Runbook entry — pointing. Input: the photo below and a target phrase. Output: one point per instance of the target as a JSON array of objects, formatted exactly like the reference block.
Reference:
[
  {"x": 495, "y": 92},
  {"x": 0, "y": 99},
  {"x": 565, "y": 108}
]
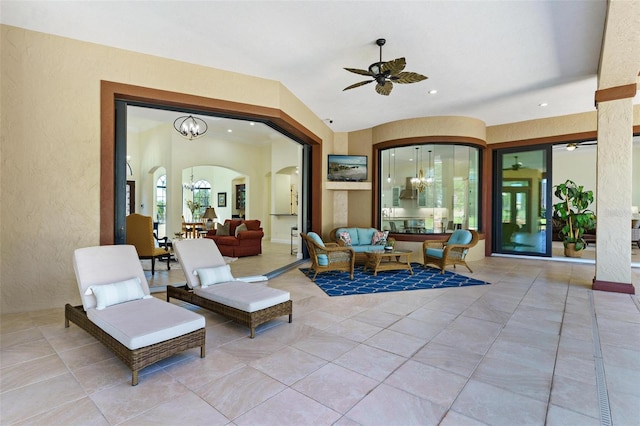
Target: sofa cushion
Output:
[
  {"x": 252, "y": 225},
  {"x": 227, "y": 240},
  {"x": 222, "y": 229},
  {"x": 346, "y": 238},
  {"x": 244, "y": 296},
  {"x": 365, "y": 235},
  {"x": 141, "y": 323},
  {"x": 323, "y": 259},
  {"x": 233, "y": 224},
  {"x": 379, "y": 237},
  {"x": 370, "y": 247},
  {"x": 240, "y": 228},
  {"x": 353, "y": 233},
  {"x": 434, "y": 252}
]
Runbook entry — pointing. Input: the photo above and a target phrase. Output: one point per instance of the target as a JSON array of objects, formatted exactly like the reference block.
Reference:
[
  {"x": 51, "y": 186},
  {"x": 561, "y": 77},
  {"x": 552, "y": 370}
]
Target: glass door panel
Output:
[{"x": 520, "y": 227}]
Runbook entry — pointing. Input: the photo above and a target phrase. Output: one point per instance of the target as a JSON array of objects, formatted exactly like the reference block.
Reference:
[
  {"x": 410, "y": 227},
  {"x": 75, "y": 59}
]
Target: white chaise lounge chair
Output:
[
  {"x": 210, "y": 285},
  {"x": 118, "y": 310}
]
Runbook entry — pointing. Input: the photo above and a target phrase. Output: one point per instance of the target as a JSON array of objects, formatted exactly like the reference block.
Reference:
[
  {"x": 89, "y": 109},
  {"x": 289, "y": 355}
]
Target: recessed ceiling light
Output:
[
  {"x": 432, "y": 92},
  {"x": 543, "y": 104},
  {"x": 229, "y": 131},
  {"x": 251, "y": 123}
]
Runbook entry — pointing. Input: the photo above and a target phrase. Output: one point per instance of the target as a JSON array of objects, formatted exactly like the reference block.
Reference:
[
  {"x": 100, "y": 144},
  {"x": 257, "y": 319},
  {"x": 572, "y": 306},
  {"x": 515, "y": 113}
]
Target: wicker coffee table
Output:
[{"x": 388, "y": 260}]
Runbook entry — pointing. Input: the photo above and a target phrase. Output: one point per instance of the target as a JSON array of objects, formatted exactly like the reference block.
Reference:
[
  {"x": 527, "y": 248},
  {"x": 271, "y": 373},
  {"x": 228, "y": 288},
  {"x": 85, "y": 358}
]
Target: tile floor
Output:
[{"x": 521, "y": 351}]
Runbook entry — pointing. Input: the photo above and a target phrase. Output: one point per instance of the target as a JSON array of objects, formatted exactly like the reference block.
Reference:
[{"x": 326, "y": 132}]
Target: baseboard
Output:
[{"x": 613, "y": 287}]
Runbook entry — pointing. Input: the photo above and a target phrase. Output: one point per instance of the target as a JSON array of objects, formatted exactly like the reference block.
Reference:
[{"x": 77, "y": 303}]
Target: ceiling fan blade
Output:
[
  {"x": 395, "y": 66},
  {"x": 384, "y": 89},
  {"x": 408, "y": 77},
  {"x": 358, "y": 71},
  {"x": 362, "y": 83}
]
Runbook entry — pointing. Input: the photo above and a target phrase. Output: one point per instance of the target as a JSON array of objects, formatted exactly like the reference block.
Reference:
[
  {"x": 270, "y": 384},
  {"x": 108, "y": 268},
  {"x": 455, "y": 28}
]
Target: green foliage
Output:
[{"x": 573, "y": 212}]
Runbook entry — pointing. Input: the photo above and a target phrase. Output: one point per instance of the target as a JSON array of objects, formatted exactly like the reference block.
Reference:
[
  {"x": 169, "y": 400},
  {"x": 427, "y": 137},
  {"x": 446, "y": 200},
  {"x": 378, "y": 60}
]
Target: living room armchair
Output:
[
  {"x": 140, "y": 234},
  {"x": 328, "y": 256},
  {"x": 450, "y": 252}
]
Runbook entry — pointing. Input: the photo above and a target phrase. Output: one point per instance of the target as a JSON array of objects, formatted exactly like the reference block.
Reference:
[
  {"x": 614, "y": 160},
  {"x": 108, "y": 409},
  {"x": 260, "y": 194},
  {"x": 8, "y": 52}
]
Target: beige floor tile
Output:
[
  {"x": 448, "y": 358},
  {"x": 353, "y": 330},
  {"x": 85, "y": 355},
  {"x": 326, "y": 346},
  {"x": 187, "y": 409},
  {"x": 623, "y": 380},
  {"x": 81, "y": 412},
  {"x": 19, "y": 337},
  {"x": 318, "y": 319},
  {"x": 469, "y": 334},
  {"x": 498, "y": 407},
  {"x": 31, "y": 400},
  {"x": 298, "y": 410},
  {"x": 438, "y": 386},
  {"x": 240, "y": 391},
  {"x": 122, "y": 401},
  {"x": 537, "y": 358},
  {"x": 248, "y": 349},
  {"x": 197, "y": 372},
  {"x": 516, "y": 378},
  {"x": 396, "y": 342},
  {"x": 575, "y": 396},
  {"x": 621, "y": 357},
  {"x": 29, "y": 372},
  {"x": 64, "y": 339},
  {"x": 377, "y": 318},
  {"x": 289, "y": 365},
  {"x": 26, "y": 351},
  {"x": 558, "y": 416},
  {"x": 387, "y": 405},
  {"x": 625, "y": 409},
  {"x": 335, "y": 387},
  {"x": 456, "y": 419},
  {"x": 370, "y": 361},
  {"x": 420, "y": 329},
  {"x": 103, "y": 374}
]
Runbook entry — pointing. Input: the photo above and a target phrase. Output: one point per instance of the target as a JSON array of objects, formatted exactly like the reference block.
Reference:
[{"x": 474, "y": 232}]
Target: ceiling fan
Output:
[
  {"x": 386, "y": 73},
  {"x": 517, "y": 165}
]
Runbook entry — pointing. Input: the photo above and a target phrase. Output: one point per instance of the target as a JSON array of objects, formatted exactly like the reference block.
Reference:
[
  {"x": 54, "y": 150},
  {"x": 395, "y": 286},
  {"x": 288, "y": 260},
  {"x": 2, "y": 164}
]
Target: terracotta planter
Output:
[{"x": 570, "y": 250}]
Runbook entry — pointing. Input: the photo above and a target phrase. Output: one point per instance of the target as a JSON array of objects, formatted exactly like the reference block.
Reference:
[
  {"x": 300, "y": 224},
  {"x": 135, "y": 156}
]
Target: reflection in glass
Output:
[{"x": 429, "y": 189}]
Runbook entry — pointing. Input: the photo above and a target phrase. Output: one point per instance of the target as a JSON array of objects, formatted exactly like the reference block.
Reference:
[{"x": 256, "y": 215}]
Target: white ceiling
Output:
[{"x": 492, "y": 60}]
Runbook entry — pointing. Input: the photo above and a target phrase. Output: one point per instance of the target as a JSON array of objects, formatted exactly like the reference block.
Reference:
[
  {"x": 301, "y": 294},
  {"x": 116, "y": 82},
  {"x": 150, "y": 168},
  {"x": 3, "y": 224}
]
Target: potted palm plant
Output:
[{"x": 574, "y": 215}]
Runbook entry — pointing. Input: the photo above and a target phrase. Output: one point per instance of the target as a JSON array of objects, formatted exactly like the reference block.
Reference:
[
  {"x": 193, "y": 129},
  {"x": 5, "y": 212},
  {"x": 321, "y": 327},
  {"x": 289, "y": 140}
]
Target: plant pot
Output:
[{"x": 570, "y": 250}]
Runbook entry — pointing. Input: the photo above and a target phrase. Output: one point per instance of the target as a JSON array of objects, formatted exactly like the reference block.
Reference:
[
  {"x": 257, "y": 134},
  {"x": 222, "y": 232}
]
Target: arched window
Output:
[
  {"x": 161, "y": 199},
  {"x": 201, "y": 196}
]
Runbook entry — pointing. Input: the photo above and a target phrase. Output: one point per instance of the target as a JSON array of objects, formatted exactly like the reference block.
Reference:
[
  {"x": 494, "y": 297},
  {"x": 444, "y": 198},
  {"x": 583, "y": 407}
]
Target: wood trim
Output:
[
  {"x": 546, "y": 140},
  {"x": 451, "y": 140},
  {"x": 110, "y": 91},
  {"x": 616, "y": 93},
  {"x": 613, "y": 287}
]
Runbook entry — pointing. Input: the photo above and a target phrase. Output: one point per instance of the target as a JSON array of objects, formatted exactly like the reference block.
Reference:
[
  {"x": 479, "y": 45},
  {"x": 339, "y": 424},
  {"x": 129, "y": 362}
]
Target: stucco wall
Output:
[{"x": 50, "y": 149}]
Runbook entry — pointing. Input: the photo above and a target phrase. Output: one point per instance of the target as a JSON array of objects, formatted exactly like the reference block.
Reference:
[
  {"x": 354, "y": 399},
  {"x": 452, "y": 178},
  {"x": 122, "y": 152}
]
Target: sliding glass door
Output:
[{"x": 523, "y": 194}]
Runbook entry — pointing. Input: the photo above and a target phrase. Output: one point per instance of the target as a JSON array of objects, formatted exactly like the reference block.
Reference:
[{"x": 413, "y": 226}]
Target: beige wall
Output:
[{"x": 50, "y": 149}]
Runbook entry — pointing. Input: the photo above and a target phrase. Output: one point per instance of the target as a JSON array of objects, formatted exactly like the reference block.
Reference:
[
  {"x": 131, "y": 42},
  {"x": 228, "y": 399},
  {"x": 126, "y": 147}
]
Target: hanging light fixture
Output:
[
  {"x": 419, "y": 182},
  {"x": 190, "y": 186},
  {"x": 190, "y": 127},
  {"x": 430, "y": 172}
]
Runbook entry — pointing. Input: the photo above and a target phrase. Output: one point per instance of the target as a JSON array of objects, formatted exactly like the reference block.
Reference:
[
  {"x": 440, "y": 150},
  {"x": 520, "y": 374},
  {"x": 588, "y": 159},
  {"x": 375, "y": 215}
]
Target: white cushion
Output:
[
  {"x": 244, "y": 296},
  {"x": 194, "y": 253},
  {"x": 118, "y": 292},
  {"x": 144, "y": 322},
  {"x": 214, "y": 275}
]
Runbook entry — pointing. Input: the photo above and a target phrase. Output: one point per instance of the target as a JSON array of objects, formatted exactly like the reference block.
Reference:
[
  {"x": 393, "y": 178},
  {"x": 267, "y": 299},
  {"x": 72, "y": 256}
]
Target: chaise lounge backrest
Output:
[
  {"x": 195, "y": 254},
  {"x": 116, "y": 263}
]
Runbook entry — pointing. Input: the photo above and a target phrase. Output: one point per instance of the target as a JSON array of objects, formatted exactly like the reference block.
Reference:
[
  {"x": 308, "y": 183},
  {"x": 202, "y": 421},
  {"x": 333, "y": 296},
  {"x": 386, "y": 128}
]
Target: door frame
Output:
[{"x": 110, "y": 164}]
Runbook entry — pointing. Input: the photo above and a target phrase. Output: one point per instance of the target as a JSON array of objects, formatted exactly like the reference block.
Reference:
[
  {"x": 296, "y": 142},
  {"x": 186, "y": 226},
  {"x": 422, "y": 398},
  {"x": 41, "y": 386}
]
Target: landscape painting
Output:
[{"x": 347, "y": 168}]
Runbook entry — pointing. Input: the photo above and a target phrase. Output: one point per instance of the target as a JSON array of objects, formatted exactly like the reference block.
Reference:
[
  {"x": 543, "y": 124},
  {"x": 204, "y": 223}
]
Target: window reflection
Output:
[{"x": 431, "y": 188}]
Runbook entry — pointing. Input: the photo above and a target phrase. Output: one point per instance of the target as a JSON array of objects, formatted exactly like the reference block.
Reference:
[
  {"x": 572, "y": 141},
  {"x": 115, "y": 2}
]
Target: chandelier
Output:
[
  {"x": 191, "y": 185},
  {"x": 190, "y": 127},
  {"x": 420, "y": 182}
]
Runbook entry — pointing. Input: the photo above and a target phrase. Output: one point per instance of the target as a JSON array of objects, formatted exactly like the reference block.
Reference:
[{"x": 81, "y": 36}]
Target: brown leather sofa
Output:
[{"x": 245, "y": 243}]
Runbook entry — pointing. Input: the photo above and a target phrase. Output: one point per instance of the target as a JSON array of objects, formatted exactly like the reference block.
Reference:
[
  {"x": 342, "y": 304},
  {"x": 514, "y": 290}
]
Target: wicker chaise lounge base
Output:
[
  {"x": 249, "y": 319},
  {"x": 135, "y": 359}
]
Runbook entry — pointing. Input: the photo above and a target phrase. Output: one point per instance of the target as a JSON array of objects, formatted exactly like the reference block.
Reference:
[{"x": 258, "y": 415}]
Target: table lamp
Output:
[{"x": 210, "y": 215}]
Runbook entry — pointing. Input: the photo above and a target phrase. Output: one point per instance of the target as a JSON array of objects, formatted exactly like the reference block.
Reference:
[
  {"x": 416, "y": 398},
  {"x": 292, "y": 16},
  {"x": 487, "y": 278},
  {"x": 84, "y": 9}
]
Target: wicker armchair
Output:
[
  {"x": 328, "y": 256},
  {"x": 450, "y": 252}
]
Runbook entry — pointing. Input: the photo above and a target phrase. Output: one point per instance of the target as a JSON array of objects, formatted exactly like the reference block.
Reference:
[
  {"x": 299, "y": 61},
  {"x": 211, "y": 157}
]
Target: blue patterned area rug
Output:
[{"x": 336, "y": 283}]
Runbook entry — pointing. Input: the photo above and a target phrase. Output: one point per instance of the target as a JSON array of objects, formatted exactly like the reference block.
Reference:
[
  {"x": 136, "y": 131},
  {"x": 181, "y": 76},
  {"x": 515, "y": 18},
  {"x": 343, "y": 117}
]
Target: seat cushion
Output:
[
  {"x": 460, "y": 236},
  {"x": 434, "y": 252},
  {"x": 144, "y": 322},
  {"x": 243, "y": 296}
]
